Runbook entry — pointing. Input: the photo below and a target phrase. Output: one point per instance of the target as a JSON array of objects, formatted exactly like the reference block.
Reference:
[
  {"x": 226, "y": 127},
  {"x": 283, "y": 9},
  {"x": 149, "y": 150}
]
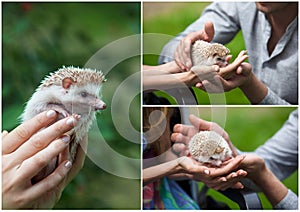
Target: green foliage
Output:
[{"x": 38, "y": 38}]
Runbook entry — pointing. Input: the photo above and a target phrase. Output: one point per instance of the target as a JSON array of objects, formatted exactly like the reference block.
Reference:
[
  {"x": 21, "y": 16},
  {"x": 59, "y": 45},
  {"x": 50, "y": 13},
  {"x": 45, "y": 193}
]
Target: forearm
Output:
[
  {"x": 168, "y": 81},
  {"x": 254, "y": 89},
  {"x": 273, "y": 188},
  {"x": 154, "y": 173},
  {"x": 167, "y": 68}
]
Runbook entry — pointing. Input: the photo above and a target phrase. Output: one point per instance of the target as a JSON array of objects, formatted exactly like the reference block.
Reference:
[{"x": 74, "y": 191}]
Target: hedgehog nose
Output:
[
  {"x": 103, "y": 106},
  {"x": 100, "y": 105}
]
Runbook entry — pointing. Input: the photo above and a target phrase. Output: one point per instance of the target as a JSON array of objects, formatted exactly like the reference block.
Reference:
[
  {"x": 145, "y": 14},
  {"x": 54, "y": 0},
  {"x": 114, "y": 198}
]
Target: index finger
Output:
[
  {"x": 43, "y": 138},
  {"x": 23, "y": 132}
]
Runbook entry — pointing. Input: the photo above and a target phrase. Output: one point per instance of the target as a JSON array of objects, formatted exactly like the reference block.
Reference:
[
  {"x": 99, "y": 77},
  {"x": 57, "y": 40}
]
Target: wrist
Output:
[{"x": 254, "y": 89}]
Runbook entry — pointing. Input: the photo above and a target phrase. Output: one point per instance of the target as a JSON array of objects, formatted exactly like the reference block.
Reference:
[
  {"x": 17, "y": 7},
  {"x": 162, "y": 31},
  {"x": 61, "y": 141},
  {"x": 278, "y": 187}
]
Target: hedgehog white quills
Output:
[
  {"x": 68, "y": 91},
  {"x": 204, "y": 53},
  {"x": 209, "y": 147}
]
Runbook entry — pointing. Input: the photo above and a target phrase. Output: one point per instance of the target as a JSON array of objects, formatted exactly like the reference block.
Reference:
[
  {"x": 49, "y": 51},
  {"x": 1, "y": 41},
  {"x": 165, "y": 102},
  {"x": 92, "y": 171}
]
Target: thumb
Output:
[
  {"x": 209, "y": 30},
  {"x": 199, "y": 123},
  {"x": 195, "y": 121}
]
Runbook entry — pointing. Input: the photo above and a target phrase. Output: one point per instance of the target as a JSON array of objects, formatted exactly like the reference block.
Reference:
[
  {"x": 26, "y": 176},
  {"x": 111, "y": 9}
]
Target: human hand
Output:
[
  {"x": 229, "y": 77},
  {"x": 202, "y": 74},
  {"x": 218, "y": 178},
  {"x": 238, "y": 79},
  {"x": 233, "y": 68},
  {"x": 29, "y": 148},
  {"x": 182, "y": 134},
  {"x": 182, "y": 53},
  {"x": 254, "y": 165}
]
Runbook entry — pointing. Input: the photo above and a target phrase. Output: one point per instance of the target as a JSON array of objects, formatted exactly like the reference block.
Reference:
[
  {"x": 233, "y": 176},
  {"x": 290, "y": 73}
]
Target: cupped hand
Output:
[
  {"x": 29, "y": 148},
  {"x": 182, "y": 54},
  {"x": 218, "y": 178}
]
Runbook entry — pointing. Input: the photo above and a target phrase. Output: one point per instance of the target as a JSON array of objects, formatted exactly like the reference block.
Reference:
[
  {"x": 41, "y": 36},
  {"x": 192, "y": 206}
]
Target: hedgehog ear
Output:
[{"x": 67, "y": 82}]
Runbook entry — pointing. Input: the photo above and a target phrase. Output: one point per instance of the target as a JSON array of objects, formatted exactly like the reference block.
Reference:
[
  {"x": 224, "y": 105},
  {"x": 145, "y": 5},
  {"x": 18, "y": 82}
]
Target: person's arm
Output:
[
  {"x": 26, "y": 150},
  {"x": 272, "y": 98},
  {"x": 218, "y": 178},
  {"x": 224, "y": 17},
  {"x": 276, "y": 192},
  {"x": 169, "y": 76}
]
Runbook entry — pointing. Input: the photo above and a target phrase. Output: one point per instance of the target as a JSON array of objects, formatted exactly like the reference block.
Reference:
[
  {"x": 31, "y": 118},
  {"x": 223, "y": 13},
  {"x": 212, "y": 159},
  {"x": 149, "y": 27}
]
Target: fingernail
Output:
[
  {"x": 223, "y": 179},
  {"x": 65, "y": 139},
  {"x": 71, "y": 121},
  {"x": 206, "y": 171},
  {"x": 50, "y": 113},
  {"x": 68, "y": 164}
]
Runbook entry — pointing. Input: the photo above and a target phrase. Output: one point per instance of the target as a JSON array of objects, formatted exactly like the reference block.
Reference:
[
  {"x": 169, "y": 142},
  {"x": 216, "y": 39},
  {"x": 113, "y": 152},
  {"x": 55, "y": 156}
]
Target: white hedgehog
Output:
[
  {"x": 204, "y": 53},
  {"x": 68, "y": 91},
  {"x": 209, "y": 147}
]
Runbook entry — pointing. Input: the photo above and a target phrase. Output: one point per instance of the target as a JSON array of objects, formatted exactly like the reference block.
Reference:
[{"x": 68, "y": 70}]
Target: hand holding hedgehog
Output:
[
  {"x": 25, "y": 151},
  {"x": 68, "y": 91},
  {"x": 208, "y": 54}
]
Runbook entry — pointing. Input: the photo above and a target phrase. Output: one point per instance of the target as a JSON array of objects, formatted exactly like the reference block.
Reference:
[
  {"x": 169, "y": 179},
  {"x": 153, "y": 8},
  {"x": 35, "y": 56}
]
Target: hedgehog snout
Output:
[{"x": 99, "y": 105}]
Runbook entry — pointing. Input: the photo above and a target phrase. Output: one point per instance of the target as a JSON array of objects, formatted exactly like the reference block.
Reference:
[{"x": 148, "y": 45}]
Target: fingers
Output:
[
  {"x": 42, "y": 139},
  {"x": 182, "y": 54},
  {"x": 33, "y": 165},
  {"x": 231, "y": 68},
  {"x": 4, "y": 134},
  {"x": 231, "y": 181},
  {"x": 227, "y": 168},
  {"x": 23, "y": 132},
  {"x": 180, "y": 149},
  {"x": 200, "y": 124},
  {"x": 50, "y": 183},
  {"x": 181, "y": 128}
]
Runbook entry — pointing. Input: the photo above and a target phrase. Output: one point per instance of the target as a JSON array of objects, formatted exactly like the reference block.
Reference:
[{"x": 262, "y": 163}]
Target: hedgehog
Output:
[
  {"x": 209, "y": 147},
  {"x": 68, "y": 91},
  {"x": 208, "y": 54}
]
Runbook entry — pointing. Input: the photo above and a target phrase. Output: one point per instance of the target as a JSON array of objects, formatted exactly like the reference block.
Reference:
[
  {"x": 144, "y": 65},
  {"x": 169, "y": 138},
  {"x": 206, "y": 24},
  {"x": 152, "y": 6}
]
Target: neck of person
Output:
[{"x": 279, "y": 21}]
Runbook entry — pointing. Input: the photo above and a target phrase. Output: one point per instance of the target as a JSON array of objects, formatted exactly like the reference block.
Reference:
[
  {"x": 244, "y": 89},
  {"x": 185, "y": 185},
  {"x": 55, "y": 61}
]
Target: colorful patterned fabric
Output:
[{"x": 167, "y": 194}]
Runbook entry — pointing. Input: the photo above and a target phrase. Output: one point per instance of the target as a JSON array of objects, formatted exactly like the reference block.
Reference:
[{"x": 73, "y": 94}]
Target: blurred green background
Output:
[
  {"x": 248, "y": 128},
  {"x": 39, "y": 38},
  {"x": 172, "y": 18}
]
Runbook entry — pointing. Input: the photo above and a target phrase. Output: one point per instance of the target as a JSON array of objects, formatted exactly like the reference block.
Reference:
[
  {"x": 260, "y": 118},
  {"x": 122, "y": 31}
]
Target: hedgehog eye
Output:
[
  {"x": 84, "y": 94},
  {"x": 212, "y": 158}
]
